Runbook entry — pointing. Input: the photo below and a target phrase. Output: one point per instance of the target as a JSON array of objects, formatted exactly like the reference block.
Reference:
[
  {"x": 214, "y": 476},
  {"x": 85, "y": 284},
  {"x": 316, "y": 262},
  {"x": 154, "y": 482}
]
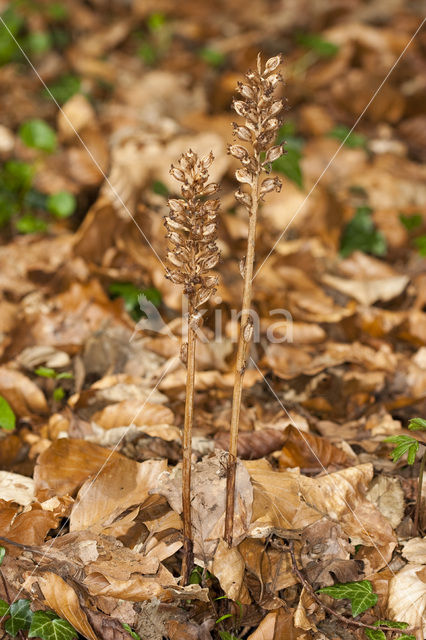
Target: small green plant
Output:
[
  {"x": 7, "y": 421},
  {"x": 37, "y": 134},
  {"x": 407, "y": 445},
  {"x": 411, "y": 222},
  {"x": 317, "y": 44},
  {"x": 420, "y": 242},
  {"x": 289, "y": 163},
  {"x": 63, "y": 88},
  {"x": 361, "y": 234},
  {"x": 212, "y": 57},
  {"x": 128, "y": 628},
  {"x": 156, "y": 40},
  {"x": 46, "y": 372},
  {"x": 130, "y": 294},
  {"x": 362, "y": 597},
  {"x": 61, "y": 204},
  {"x": 347, "y": 137}
]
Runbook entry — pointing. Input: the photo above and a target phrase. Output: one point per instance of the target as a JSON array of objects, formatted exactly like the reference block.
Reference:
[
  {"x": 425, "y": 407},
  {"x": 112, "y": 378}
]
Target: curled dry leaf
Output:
[
  {"x": 253, "y": 444},
  {"x": 407, "y": 597},
  {"x": 271, "y": 567},
  {"x": 15, "y": 487},
  {"x": 309, "y": 451},
  {"x": 63, "y": 600},
  {"x": 23, "y": 395},
  {"x": 67, "y": 463},
  {"x": 136, "y": 588},
  {"x": 276, "y": 624},
  {"x": 120, "y": 484},
  {"x": 228, "y": 567},
  {"x": 27, "y": 527},
  {"x": 132, "y": 412}
]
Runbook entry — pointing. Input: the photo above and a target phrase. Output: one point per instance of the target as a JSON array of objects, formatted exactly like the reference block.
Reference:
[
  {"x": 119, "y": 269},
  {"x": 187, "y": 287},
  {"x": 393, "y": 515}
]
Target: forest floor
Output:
[{"x": 98, "y": 99}]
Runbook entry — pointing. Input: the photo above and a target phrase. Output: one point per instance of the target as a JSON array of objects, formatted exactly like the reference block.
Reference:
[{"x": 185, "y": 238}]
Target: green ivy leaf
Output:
[
  {"x": 2, "y": 554},
  {"x": 38, "y": 134},
  {"x": 377, "y": 634},
  {"x": 348, "y": 137},
  {"x": 63, "y": 88},
  {"x": 289, "y": 165},
  {"x": 4, "y": 608},
  {"x": 411, "y": 222},
  {"x": 130, "y": 630},
  {"x": 406, "y": 637},
  {"x": 7, "y": 418},
  {"x": 61, "y": 204},
  {"x": 20, "y": 617},
  {"x": 46, "y": 628},
  {"x": 361, "y": 234},
  {"x": 360, "y": 594},
  {"x": 393, "y": 624},
  {"x": 417, "y": 424},
  {"x": 29, "y": 223},
  {"x": 160, "y": 188},
  {"x": 404, "y": 445}
]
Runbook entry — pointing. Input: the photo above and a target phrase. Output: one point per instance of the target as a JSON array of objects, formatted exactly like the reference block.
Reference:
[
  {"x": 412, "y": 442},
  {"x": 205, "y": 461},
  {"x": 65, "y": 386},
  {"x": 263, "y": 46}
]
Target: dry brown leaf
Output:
[
  {"x": 271, "y": 567},
  {"x": 386, "y": 493},
  {"x": 309, "y": 451},
  {"x": 122, "y": 483},
  {"x": 370, "y": 290},
  {"x": 252, "y": 444},
  {"x": 228, "y": 567},
  {"x": 407, "y": 597},
  {"x": 276, "y": 625},
  {"x": 63, "y": 468},
  {"x": 28, "y": 527},
  {"x": 208, "y": 502},
  {"x": 136, "y": 588},
  {"x": 23, "y": 395},
  {"x": 130, "y": 412},
  {"x": 63, "y": 600},
  {"x": 16, "y": 488}
]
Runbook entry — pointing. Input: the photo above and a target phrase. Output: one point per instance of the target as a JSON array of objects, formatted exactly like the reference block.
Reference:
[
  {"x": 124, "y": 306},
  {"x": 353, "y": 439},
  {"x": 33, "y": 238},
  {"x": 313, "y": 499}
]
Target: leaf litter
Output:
[{"x": 91, "y": 473}]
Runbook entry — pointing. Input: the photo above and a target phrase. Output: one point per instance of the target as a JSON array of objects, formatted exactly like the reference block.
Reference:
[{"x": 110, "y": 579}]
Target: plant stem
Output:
[
  {"x": 244, "y": 341},
  {"x": 188, "y": 553},
  {"x": 419, "y": 493}
]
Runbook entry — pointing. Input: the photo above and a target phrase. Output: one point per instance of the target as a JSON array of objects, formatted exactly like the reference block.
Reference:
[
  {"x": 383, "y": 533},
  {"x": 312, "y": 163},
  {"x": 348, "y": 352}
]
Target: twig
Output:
[
  {"x": 419, "y": 493},
  {"x": 261, "y": 112},
  {"x": 191, "y": 230},
  {"x": 344, "y": 619}
]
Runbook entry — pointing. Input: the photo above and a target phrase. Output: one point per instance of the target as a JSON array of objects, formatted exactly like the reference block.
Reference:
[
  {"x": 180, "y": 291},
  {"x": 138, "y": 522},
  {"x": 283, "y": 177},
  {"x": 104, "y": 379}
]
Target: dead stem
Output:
[{"x": 260, "y": 110}]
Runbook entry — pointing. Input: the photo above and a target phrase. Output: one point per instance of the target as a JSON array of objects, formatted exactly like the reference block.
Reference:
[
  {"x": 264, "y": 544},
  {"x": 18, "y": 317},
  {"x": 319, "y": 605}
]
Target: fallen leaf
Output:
[{"x": 228, "y": 567}]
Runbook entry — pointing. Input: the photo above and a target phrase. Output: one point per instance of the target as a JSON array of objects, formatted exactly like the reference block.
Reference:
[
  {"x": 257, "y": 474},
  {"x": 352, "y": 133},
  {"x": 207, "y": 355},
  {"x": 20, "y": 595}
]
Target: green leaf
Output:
[
  {"x": 20, "y": 617},
  {"x": 38, "y": 135},
  {"x": 4, "y": 608},
  {"x": 130, "y": 630},
  {"x": 404, "y": 445},
  {"x": 147, "y": 53},
  {"x": 360, "y": 594},
  {"x": 421, "y": 245},
  {"x": 411, "y": 222},
  {"x": 196, "y": 575},
  {"x": 63, "y": 88},
  {"x": 160, "y": 188},
  {"x": 289, "y": 165},
  {"x": 46, "y": 628},
  {"x": 361, "y": 234},
  {"x": 61, "y": 204},
  {"x": 37, "y": 42},
  {"x": 57, "y": 11},
  {"x": 29, "y": 223},
  {"x": 45, "y": 372},
  {"x": 348, "y": 137},
  {"x": 7, "y": 419},
  {"x": 2, "y": 554},
  {"x": 155, "y": 21},
  {"x": 58, "y": 394},
  {"x": 318, "y": 44},
  {"x": 406, "y": 637},
  {"x": 417, "y": 424},
  {"x": 213, "y": 57},
  {"x": 17, "y": 176},
  {"x": 375, "y": 635},
  {"x": 224, "y": 617},
  {"x": 8, "y": 47},
  {"x": 225, "y": 635},
  {"x": 64, "y": 375}
]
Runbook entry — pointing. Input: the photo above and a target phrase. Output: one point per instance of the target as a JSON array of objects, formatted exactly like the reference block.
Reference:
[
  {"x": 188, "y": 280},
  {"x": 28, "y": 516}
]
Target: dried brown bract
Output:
[
  {"x": 263, "y": 116},
  {"x": 191, "y": 228}
]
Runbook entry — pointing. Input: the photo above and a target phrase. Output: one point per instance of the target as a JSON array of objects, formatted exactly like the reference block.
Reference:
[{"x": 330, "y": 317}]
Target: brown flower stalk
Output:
[
  {"x": 262, "y": 112},
  {"x": 191, "y": 230}
]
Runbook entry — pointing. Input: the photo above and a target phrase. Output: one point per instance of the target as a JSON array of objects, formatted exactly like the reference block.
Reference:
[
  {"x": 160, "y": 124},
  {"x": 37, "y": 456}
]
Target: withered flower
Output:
[
  {"x": 191, "y": 230},
  {"x": 262, "y": 112}
]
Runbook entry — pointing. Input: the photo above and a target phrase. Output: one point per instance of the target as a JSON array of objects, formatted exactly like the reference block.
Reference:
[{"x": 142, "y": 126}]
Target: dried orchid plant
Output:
[
  {"x": 191, "y": 230},
  {"x": 262, "y": 112}
]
